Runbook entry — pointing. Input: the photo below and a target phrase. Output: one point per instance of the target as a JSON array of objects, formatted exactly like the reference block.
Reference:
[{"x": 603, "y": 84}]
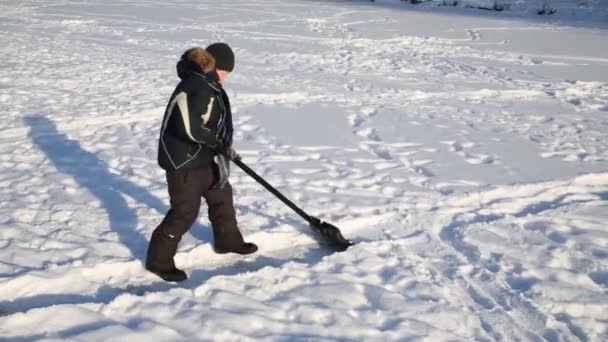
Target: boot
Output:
[
  {"x": 159, "y": 260},
  {"x": 175, "y": 275},
  {"x": 243, "y": 249},
  {"x": 231, "y": 241}
]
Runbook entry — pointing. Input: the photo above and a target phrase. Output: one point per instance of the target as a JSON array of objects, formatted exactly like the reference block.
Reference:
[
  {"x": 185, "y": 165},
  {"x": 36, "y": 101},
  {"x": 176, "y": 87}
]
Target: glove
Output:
[
  {"x": 222, "y": 162},
  {"x": 222, "y": 167},
  {"x": 228, "y": 152},
  {"x": 231, "y": 154}
]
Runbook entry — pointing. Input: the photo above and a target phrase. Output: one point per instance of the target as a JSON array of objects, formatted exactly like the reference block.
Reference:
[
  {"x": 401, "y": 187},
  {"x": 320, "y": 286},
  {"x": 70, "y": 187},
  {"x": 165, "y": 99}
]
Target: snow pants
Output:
[{"x": 186, "y": 188}]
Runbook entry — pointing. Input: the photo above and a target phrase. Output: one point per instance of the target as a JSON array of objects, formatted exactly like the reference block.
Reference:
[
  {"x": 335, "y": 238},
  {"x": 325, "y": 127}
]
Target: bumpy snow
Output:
[{"x": 464, "y": 151}]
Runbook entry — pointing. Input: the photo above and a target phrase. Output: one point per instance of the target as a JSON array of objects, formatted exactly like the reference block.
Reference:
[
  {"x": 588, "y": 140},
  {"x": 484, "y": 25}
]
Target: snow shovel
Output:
[{"x": 330, "y": 233}]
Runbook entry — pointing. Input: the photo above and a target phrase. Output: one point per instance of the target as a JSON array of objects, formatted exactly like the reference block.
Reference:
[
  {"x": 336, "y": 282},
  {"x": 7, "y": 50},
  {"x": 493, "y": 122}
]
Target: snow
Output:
[{"x": 465, "y": 151}]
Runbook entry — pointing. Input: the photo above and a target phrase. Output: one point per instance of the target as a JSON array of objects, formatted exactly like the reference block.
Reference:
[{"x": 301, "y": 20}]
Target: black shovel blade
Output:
[{"x": 331, "y": 234}]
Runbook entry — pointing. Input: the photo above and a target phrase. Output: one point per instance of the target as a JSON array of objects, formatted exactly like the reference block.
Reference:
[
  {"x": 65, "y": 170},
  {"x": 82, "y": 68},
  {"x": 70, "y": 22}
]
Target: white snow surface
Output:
[{"x": 465, "y": 152}]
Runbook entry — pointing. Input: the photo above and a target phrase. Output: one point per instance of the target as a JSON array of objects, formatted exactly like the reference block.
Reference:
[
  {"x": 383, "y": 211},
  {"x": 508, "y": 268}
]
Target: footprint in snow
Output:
[
  {"x": 574, "y": 101},
  {"x": 599, "y": 277},
  {"x": 355, "y": 120},
  {"x": 369, "y": 133},
  {"x": 475, "y": 35}
]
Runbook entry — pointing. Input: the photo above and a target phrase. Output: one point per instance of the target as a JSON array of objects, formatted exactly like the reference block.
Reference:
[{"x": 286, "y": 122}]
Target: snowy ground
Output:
[{"x": 466, "y": 154}]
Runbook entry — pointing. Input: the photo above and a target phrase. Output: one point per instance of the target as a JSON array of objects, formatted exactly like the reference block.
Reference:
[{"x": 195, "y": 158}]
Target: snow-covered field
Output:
[{"x": 466, "y": 153}]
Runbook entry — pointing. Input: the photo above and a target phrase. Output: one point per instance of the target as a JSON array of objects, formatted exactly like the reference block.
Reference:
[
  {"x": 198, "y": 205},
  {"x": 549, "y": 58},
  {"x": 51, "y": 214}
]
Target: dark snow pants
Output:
[{"x": 185, "y": 191}]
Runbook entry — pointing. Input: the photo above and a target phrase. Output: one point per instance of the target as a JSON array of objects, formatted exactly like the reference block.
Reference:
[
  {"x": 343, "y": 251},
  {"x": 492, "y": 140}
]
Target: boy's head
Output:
[{"x": 224, "y": 58}]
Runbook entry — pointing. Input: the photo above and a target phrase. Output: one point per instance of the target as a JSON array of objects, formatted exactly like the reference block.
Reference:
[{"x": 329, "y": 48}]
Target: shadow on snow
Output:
[{"x": 91, "y": 173}]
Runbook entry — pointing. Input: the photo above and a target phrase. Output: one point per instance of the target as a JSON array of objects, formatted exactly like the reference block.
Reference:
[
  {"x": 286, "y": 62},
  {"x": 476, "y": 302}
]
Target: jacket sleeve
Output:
[{"x": 195, "y": 110}]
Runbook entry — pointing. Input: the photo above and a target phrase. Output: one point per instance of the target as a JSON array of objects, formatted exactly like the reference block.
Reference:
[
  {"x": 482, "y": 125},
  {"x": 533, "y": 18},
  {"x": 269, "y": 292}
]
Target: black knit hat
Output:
[{"x": 224, "y": 57}]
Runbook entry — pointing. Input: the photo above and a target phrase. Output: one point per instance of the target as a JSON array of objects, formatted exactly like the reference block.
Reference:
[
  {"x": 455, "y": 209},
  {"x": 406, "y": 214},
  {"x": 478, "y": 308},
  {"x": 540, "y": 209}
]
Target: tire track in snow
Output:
[{"x": 506, "y": 314}]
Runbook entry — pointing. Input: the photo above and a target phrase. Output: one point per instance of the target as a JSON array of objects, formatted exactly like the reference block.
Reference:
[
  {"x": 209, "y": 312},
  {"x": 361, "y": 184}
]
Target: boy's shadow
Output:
[{"x": 92, "y": 173}]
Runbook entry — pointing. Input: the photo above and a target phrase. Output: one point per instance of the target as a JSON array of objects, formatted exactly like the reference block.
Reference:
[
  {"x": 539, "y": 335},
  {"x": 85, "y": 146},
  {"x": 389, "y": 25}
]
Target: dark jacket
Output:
[{"x": 197, "y": 121}]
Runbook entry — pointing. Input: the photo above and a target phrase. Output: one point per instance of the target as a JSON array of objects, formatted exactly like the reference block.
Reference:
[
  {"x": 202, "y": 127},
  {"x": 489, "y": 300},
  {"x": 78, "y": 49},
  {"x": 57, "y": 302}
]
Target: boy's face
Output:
[{"x": 222, "y": 74}]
